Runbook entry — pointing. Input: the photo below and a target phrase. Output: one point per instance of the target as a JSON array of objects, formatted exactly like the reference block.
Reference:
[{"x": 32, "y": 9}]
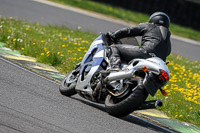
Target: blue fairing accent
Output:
[{"x": 95, "y": 61}]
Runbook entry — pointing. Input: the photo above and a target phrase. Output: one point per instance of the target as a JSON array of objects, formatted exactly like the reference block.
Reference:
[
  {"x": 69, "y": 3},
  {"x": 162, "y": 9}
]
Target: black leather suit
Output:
[{"x": 155, "y": 41}]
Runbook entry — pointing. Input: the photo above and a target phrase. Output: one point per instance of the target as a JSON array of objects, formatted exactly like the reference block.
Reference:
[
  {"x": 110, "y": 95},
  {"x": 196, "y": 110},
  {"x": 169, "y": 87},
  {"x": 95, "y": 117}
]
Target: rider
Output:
[{"x": 155, "y": 40}]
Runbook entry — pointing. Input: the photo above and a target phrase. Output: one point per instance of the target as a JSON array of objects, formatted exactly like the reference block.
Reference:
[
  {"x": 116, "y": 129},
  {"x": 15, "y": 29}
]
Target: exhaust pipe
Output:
[
  {"x": 120, "y": 75},
  {"x": 151, "y": 105},
  {"x": 113, "y": 76}
]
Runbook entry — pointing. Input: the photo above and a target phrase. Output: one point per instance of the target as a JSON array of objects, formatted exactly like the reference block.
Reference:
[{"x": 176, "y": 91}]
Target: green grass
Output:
[
  {"x": 135, "y": 17},
  {"x": 63, "y": 48},
  {"x": 56, "y": 46}
]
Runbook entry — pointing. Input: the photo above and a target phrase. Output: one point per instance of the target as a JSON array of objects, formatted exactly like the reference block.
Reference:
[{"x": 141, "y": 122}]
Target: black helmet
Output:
[{"x": 160, "y": 18}]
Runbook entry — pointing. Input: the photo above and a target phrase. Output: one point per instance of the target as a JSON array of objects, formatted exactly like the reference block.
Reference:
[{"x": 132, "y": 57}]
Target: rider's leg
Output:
[
  {"x": 129, "y": 52},
  {"x": 115, "y": 59}
]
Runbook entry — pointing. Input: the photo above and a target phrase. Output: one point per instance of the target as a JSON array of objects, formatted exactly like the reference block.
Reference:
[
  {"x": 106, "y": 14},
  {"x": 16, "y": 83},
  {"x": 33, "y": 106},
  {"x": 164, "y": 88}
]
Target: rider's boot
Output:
[{"x": 115, "y": 60}]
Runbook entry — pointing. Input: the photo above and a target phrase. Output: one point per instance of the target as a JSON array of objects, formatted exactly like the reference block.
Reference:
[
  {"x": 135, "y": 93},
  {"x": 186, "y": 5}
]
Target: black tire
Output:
[
  {"x": 128, "y": 105},
  {"x": 67, "y": 89}
]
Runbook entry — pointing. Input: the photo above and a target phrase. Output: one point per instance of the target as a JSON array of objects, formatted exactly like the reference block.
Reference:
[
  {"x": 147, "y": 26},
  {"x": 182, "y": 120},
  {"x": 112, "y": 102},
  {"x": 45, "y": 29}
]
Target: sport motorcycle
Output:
[{"x": 122, "y": 91}]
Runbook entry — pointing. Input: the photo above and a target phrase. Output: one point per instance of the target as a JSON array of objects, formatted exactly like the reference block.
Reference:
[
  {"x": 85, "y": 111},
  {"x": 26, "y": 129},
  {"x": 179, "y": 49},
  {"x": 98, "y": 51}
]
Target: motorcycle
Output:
[{"x": 122, "y": 91}]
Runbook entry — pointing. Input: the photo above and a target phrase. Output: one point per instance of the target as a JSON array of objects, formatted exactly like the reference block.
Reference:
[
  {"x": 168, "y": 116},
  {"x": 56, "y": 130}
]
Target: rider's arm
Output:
[{"x": 137, "y": 30}]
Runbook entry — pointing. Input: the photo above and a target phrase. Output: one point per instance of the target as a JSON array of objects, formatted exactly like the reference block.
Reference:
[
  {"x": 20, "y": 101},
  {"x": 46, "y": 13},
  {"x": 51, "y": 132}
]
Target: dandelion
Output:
[
  {"x": 33, "y": 43},
  {"x": 42, "y": 41},
  {"x": 191, "y": 108},
  {"x": 180, "y": 115},
  {"x": 61, "y": 55},
  {"x": 85, "y": 51},
  {"x": 42, "y": 54},
  {"x": 9, "y": 30},
  {"x": 69, "y": 51},
  {"x": 22, "y": 48},
  {"x": 27, "y": 28},
  {"x": 80, "y": 58},
  {"x": 10, "y": 18},
  {"x": 14, "y": 39},
  {"x": 58, "y": 53},
  {"x": 63, "y": 45},
  {"x": 48, "y": 52},
  {"x": 65, "y": 38}
]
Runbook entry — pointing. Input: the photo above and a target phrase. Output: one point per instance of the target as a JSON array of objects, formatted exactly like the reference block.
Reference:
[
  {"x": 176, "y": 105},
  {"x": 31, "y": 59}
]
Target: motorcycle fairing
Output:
[
  {"x": 154, "y": 65},
  {"x": 92, "y": 62}
]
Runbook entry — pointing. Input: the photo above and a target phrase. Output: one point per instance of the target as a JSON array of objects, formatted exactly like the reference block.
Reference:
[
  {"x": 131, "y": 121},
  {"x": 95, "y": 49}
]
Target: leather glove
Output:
[{"x": 111, "y": 38}]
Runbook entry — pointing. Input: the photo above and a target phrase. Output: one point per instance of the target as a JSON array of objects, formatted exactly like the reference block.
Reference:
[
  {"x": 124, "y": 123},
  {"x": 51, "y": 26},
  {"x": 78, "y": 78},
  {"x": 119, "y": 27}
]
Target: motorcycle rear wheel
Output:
[
  {"x": 127, "y": 105},
  {"x": 68, "y": 89}
]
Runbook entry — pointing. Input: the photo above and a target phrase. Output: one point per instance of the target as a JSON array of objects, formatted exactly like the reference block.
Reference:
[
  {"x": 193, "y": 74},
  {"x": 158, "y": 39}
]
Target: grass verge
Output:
[
  {"x": 127, "y": 15},
  {"x": 63, "y": 48}
]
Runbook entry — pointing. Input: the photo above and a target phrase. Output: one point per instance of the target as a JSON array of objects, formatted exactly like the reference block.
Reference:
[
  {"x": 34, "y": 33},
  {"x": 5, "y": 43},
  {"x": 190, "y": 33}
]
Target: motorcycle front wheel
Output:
[
  {"x": 133, "y": 101},
  {"x": 68, "y": 84}
]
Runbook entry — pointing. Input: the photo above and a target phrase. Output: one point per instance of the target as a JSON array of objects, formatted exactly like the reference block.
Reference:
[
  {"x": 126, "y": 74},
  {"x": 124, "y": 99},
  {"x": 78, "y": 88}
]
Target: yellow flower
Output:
[
  {"x": 65, "y": 38},
  {"x": 9, "y": 30},
  {"x": 180, "y": 115},
  {"x": 10, "y": 18},
  {"x": 63, "y": 45},
  {"x": 42, "y": 54},
  {"x": 80, "y": 58},
  {"x": 14, "y": 39},
  {"x": 42, "y": 41},
  {"x": 191, "y": 107},
  {"x": 58, "y": 53},
  {"x": 61, "y": 55},
  {"x": 48, "y": 52},
  {"x": 33, "y": 43},
  {"x": 27, "y": 29},
  {"x": 69, "y": 51},
  {"x": 22, "y": 48}
]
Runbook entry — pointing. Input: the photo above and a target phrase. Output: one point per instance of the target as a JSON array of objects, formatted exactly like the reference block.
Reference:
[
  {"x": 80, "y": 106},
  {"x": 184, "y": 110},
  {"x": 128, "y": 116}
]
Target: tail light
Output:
[{"x": 163, "y": 75}]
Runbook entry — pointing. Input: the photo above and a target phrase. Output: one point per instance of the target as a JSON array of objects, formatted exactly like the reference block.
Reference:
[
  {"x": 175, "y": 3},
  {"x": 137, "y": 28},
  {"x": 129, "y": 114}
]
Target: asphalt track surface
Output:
[
  {"x": 33, "y": 11},
  {"x": 31, "y": 103}
]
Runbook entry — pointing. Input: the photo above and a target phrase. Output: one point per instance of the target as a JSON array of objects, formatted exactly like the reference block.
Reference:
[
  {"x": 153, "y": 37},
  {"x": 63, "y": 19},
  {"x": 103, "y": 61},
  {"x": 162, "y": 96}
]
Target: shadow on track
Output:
[{"x": 129, "y": 118}]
